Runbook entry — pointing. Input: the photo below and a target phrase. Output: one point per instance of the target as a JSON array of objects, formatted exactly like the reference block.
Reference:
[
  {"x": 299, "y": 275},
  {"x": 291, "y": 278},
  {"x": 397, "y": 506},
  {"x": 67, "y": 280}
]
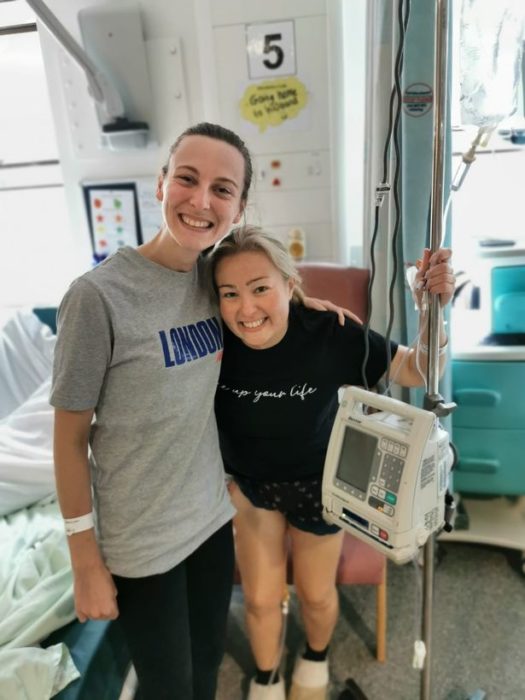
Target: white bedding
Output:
[
  {"x": 36, "y": 590},
  {"x": 36, "y": 598},
  {"x": 34, "y": 673},
  {"x": 26, "y": 358},
  {"x": 26, "y": 418}
]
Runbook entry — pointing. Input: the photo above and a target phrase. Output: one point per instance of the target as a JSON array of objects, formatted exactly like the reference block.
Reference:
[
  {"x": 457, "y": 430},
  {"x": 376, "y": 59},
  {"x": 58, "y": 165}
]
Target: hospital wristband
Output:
[
  {"x": 424, "y": 348},
  {"x": 83, "y": 522}
]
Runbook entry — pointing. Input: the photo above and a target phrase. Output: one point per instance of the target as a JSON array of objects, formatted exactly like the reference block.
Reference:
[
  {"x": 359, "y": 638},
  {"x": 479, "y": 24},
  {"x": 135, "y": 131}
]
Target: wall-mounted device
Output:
[
  {"x": 386, "y": 473},
  {"x": 114, "y": 63}
]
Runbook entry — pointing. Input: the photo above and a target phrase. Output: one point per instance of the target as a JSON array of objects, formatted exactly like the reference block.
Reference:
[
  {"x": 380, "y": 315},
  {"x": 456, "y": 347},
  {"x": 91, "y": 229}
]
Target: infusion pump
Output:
[{"x": 386, "y": 473}]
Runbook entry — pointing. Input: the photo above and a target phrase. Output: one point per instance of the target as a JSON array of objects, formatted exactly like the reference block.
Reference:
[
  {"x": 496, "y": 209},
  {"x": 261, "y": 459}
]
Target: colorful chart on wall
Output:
[{"x": 113, "y": 217}]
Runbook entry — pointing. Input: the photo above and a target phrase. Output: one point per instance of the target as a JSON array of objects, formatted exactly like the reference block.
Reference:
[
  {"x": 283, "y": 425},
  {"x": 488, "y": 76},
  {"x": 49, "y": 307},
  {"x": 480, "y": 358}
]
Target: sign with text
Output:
[
  {"x": 418, "y": 99},
  {"x": 272, "y": 102},
  {"x": 271, "y": 49}
]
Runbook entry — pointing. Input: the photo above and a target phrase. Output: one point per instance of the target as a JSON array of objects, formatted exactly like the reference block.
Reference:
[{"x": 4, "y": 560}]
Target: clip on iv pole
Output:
[{"x": 433, "y": 401}]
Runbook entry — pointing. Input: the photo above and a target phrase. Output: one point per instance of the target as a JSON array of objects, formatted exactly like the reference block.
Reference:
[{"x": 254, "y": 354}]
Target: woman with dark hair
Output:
[{"x": 136, "y": 368}]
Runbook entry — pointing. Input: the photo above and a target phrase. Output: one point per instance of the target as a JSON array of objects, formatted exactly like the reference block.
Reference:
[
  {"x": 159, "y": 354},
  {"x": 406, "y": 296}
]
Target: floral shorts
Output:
[{"x": 299, "y": 501}]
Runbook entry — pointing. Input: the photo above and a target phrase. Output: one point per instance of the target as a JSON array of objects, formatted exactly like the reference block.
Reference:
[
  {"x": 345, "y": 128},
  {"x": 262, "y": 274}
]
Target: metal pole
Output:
[
  {"x": 436, "y": 225},
  {"x": 437, "y": 198}
]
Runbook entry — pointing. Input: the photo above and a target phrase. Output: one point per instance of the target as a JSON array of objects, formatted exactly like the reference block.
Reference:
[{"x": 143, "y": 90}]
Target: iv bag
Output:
[{"x": 491, "y": 45}]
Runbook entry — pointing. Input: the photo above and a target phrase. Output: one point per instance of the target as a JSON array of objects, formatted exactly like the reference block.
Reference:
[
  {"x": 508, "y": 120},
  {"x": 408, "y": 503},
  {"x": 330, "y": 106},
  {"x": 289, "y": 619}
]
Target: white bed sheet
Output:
[
  {"x": 26, "y": 358},
  {"x": 26, "y": 418},
  {"x": 36, "y": 598}
]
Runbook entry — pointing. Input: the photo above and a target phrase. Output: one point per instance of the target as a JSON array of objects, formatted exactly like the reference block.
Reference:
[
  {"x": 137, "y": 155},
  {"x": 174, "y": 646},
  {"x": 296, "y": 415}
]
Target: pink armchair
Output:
[{"x": 346, "y": 286}]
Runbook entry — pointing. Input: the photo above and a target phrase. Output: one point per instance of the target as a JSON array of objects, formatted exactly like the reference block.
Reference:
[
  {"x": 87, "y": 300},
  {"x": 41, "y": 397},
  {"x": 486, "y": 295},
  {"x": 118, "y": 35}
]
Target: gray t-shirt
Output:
[{"x": 142, "y": 344}]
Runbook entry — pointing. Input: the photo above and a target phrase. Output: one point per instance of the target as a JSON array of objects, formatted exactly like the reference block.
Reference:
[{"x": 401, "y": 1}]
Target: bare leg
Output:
[
  {"x": 315, "y": 560},
  {"x": 260, "y": 545}
]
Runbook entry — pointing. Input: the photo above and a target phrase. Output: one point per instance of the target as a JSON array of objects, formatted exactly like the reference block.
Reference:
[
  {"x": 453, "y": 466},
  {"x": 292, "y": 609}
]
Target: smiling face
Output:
[
  {"x": 254, "y": 298},
  {"x": 201, "y": 192}
]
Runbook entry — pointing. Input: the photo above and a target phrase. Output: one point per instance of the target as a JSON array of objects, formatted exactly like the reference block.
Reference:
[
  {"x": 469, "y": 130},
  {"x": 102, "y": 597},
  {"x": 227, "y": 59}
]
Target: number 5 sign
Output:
[{"x": 271, "y": 49}]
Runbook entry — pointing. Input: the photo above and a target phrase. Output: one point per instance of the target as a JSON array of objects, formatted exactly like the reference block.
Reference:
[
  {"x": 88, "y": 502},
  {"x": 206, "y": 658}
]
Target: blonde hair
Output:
[{"x": 249, "y": 239}]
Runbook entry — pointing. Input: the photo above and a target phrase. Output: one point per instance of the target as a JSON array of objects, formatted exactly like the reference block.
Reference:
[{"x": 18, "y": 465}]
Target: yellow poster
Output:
[{"x": 271, "y": 102}]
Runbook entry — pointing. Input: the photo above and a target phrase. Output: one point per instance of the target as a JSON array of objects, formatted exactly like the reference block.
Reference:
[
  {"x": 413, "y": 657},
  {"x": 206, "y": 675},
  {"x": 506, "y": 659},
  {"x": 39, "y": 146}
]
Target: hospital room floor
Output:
[{"x": 478, "y": 639}]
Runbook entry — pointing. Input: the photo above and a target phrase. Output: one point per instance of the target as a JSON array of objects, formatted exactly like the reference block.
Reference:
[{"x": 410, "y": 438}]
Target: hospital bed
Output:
[{"x": 44, "y": 651}]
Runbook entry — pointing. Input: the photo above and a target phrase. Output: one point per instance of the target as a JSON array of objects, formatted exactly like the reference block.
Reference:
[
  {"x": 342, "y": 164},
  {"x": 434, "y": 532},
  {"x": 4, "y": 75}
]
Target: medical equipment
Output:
[
  {"x": 386, "y": 473},
  {"x": 119, "y": 131},
  {"x": 488, "y": 371},
  {"x": 490, "y": 51},
  {"x": 433, "y": 401},
  {"x": 491, "y": 55}
]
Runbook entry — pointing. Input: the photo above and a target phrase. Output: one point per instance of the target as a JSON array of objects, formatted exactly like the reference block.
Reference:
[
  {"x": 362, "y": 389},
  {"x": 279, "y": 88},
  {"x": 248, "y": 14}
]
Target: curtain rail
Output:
[
  {"x": 28, "y": 164},
  {"x": 31, "y": 187},
  {"x": 18, "y": 29}
]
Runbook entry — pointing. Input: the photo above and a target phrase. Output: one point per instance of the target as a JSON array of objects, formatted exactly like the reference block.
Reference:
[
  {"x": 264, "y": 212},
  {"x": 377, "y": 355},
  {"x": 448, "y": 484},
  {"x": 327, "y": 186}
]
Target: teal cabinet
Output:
[{"x": 488, "y": 426}]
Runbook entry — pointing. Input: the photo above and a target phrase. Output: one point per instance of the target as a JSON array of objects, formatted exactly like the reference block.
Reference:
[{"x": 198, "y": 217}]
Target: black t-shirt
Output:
[{"x": 275, "y": 408}]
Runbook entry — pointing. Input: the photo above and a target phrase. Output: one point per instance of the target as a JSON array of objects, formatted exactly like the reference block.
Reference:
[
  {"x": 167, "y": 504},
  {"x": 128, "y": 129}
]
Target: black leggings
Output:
[{"x": 175, "y": 623}]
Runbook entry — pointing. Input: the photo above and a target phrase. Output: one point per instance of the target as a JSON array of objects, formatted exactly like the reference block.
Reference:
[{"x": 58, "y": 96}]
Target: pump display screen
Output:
[{"x": 356, "y": 458}]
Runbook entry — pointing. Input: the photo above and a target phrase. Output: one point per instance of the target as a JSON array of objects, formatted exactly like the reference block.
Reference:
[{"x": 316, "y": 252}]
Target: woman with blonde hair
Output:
[{"x": 275, "y": 404}]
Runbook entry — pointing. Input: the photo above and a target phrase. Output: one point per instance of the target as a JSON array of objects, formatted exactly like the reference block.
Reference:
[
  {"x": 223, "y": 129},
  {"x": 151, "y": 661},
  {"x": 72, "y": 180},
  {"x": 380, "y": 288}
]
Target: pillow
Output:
[
  {"x": 26, "y": 452},
  {"x": 26, "y": 359}
]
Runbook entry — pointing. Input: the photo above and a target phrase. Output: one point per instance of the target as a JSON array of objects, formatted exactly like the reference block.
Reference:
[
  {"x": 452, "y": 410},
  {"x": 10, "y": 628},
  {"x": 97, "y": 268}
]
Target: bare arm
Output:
[
  {"x": 95, "y": 592},
  {"x": 435, "y": 276}
]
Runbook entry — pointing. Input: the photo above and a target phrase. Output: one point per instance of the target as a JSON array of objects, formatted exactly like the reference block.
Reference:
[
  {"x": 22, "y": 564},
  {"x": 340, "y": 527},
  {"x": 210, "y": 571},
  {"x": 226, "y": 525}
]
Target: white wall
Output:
[
  {"x": 298, "y": 193},
  {"x": 173, "y": 106},
  {"x": 490, "y": 203},
  {"x": 205, "y": 80}
]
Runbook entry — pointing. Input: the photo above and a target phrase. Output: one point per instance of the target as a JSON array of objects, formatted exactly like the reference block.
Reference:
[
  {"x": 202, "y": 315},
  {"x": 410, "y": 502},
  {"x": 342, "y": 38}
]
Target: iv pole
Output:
[{"x": 433, "y": 401}]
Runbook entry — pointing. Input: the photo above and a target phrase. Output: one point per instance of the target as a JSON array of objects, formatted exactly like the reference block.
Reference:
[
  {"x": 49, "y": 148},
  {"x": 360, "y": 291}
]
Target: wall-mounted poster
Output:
[
  {"x": 272, "y": 102},
  {"x": 113, "y": 217}
]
